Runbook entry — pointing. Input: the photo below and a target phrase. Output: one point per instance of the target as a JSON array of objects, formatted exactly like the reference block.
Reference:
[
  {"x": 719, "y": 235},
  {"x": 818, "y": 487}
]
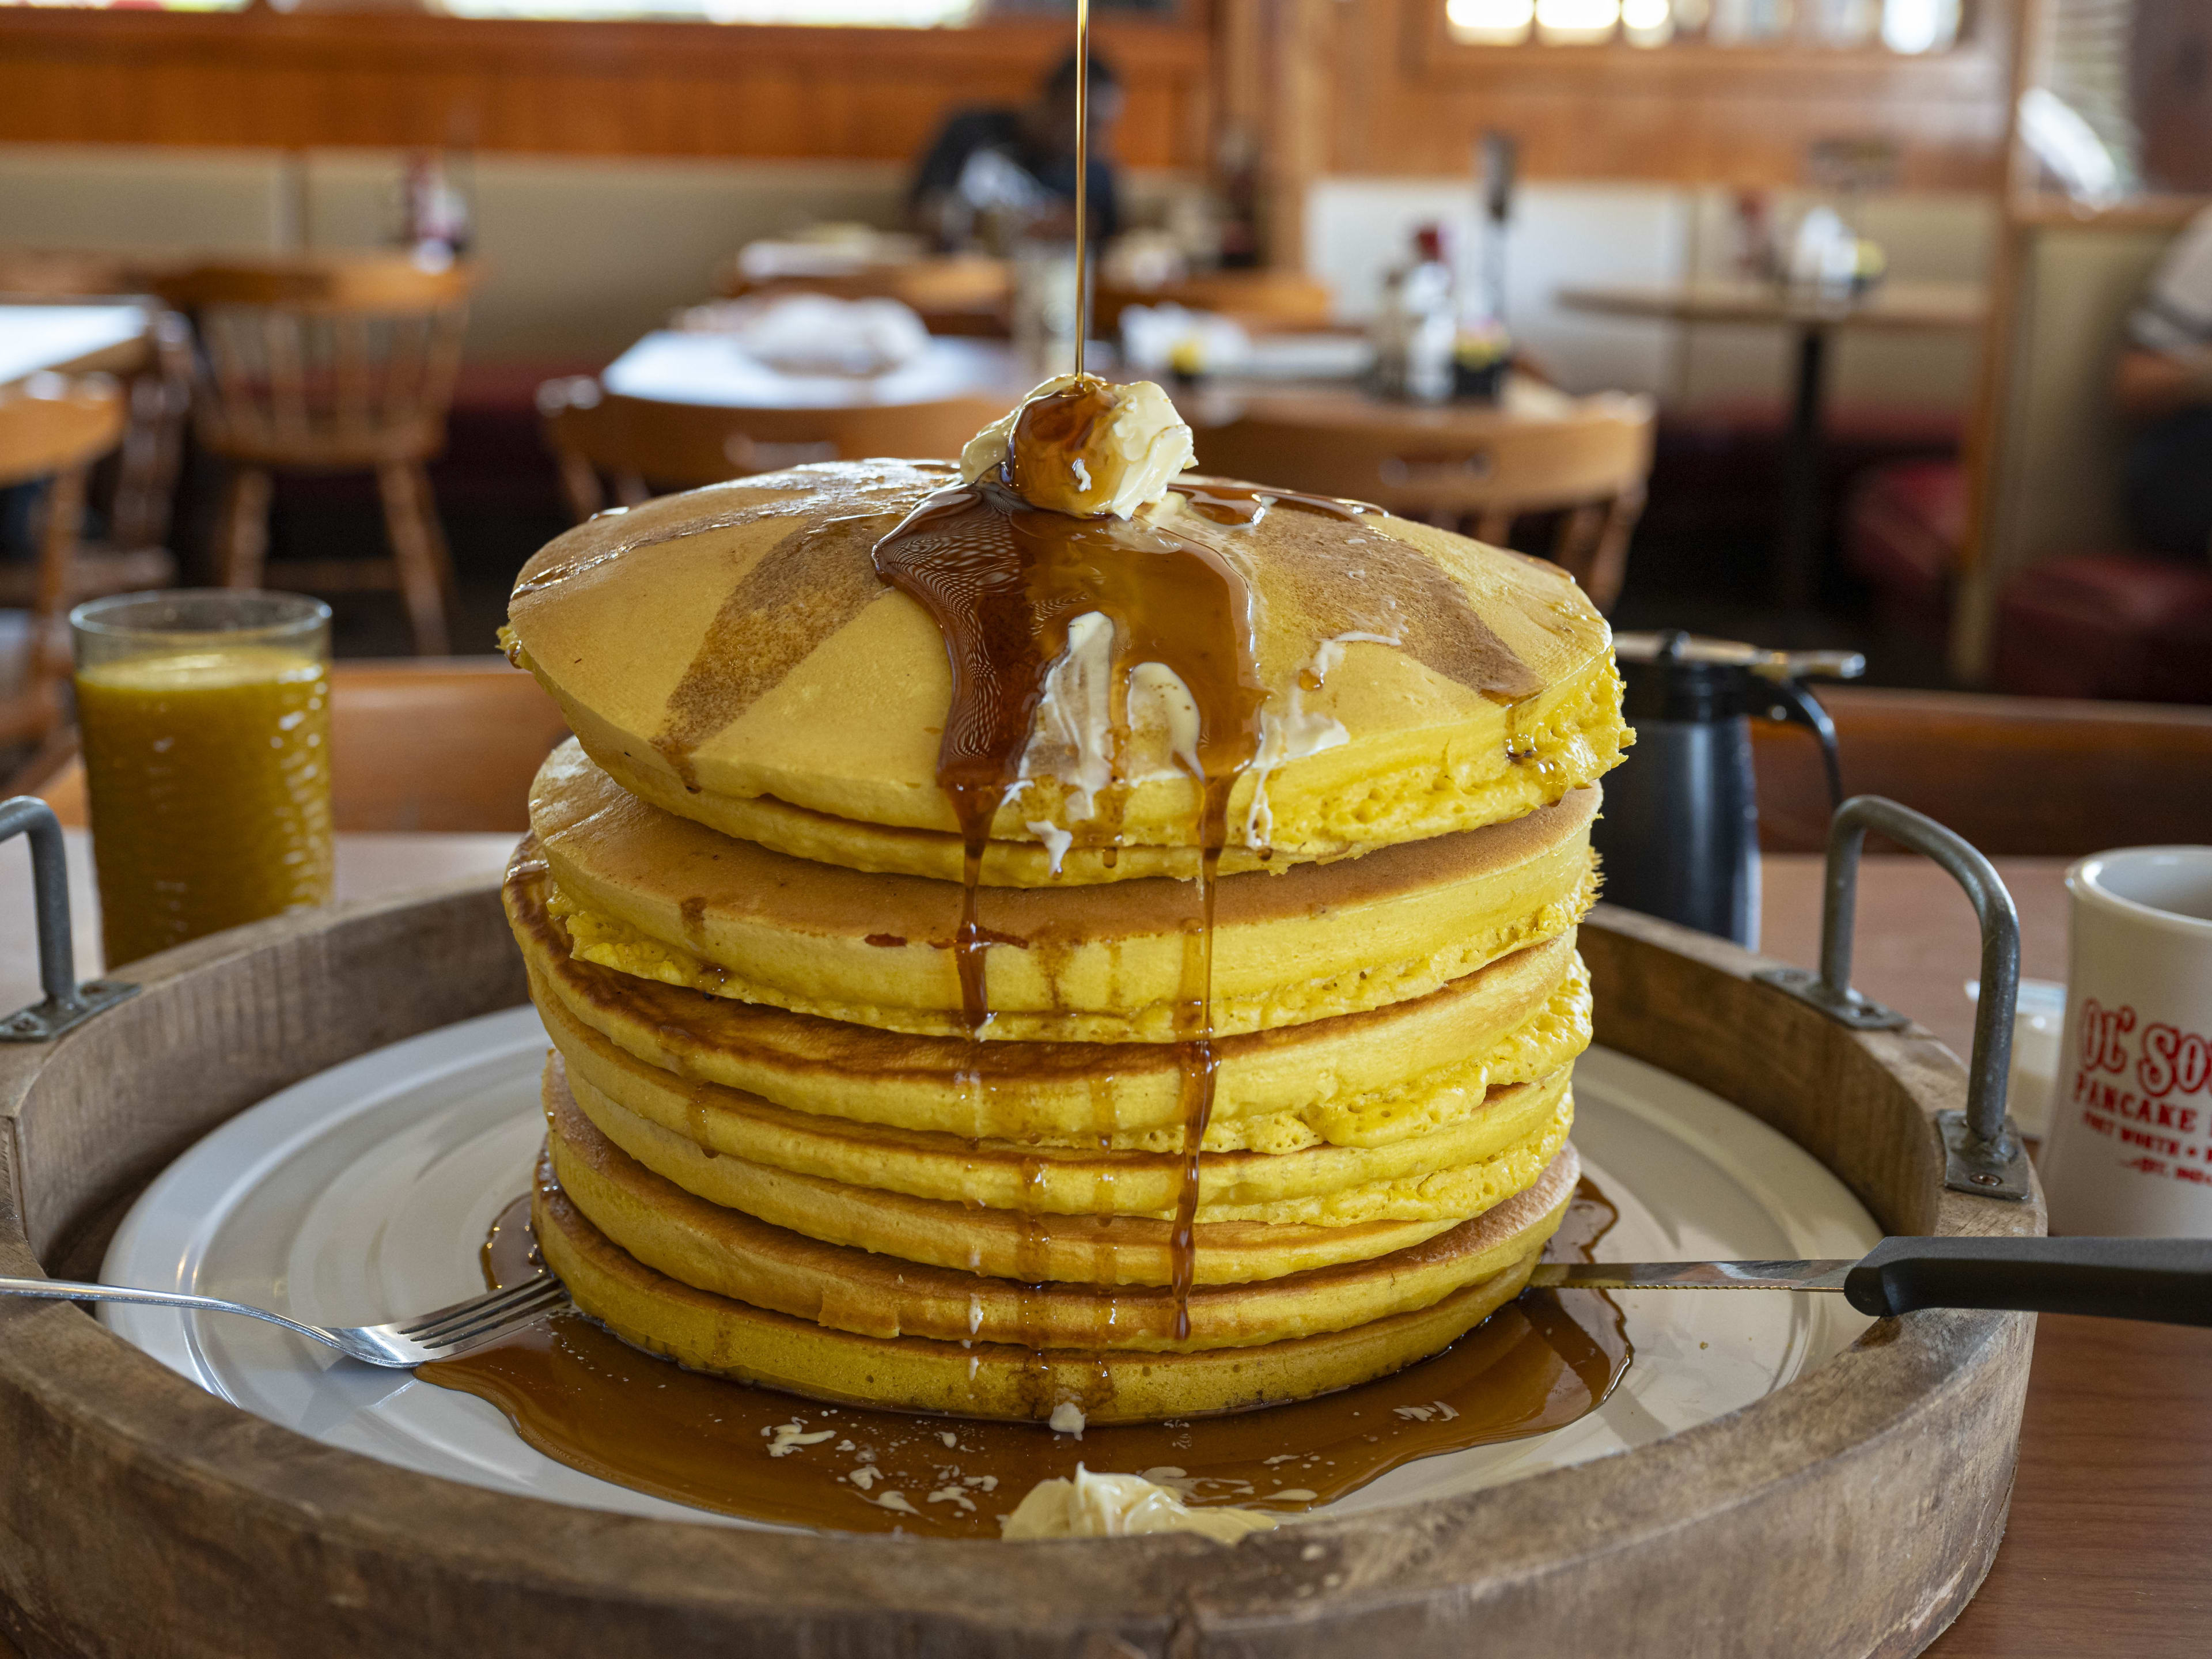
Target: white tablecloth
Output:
[
  {"x": 33, "y": 338},
  {"x": 710, "y": 369}
]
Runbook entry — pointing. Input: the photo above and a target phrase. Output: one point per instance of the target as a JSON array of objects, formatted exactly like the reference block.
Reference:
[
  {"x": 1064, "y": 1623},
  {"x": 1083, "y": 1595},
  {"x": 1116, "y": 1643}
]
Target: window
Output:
[{"x": 1909, "y": 27}]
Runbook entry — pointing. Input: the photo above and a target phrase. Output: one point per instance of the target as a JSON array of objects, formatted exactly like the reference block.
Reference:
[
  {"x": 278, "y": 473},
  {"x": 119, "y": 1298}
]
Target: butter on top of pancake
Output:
[
  {"x": 733, "y": 655},
  {"x": 1130, "y": 445}
]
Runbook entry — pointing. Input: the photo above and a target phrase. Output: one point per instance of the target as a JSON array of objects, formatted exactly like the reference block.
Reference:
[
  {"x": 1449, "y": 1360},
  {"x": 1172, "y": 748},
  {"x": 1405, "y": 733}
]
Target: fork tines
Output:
[{"x": 480, "y": 1316}]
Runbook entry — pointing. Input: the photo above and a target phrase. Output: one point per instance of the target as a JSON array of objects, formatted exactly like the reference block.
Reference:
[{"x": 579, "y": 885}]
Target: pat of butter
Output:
[
  {"x": 1118, "y": 1505},
  {"x": 1081, "y": 446}
]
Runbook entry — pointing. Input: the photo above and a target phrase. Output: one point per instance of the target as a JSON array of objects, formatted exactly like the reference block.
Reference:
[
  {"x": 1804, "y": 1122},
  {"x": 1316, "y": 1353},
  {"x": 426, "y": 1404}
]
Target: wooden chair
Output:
[
  {"x": 1264, "y": 302},
  {"x": 642, "y": 444},
  {"x": 134, "y": 554},
  {"x": 2017, "y": 776},
  {"x": 156, "y": 371},
  {"x": 444, "y": 745},
  {"x": 328, "y": 365},
  {"x": 51, "y": 428},
  {"x": 62, "y": 273},
  {"x": 1587, "y": 462}
]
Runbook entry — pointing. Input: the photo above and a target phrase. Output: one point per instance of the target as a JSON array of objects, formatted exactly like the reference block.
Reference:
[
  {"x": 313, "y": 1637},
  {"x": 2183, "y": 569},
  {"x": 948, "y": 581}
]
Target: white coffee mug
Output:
[{"x": 2131, "y": 1144}]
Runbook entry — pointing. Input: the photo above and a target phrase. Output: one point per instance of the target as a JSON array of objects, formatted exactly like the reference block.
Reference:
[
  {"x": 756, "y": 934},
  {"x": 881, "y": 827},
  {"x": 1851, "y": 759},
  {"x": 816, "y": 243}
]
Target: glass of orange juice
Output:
[{"x": 206, "y": 721}]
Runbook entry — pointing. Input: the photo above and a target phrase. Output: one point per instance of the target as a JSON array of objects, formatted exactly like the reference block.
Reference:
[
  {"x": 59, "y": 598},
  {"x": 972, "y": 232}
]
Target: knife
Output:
[{"x": 2168, "y": 1281}]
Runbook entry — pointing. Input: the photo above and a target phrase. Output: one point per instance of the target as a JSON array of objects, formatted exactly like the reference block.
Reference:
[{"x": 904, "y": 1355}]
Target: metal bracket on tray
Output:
[
  {"x": 1983, "y": 1153},
  {"x": 66, "y": 1003}
]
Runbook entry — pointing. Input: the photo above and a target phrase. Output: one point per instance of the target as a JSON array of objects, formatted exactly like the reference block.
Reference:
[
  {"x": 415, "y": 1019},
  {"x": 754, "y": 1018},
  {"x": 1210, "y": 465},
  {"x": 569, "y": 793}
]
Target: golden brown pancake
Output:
[
  {"x": 663, "y": 898},
  {"x": 1238, "y": 1249},
  {"x": 1356, "y": 1079},
  {"x": 1008, "y": 1175},
  {"x": 730, "y": 1254},
  {"x": 729, "y": 1338},
  {"x": 733, "y": 655}
]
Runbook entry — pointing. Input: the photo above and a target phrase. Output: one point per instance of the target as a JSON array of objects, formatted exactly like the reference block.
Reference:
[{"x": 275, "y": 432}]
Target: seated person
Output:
[
  {"x": 1020, "y": 161},
  {"x": 2165, "y": 380}
]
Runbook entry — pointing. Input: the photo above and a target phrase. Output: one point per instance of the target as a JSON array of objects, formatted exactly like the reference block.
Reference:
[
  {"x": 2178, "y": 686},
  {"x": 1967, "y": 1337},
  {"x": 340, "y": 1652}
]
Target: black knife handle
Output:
[{"x": 2168, "y": 1281}]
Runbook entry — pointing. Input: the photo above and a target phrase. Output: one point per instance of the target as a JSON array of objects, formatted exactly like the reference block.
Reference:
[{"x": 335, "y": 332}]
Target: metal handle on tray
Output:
[
  {"x": 65, "y": 1004},
  {"x": 1983, "y": 1151}
]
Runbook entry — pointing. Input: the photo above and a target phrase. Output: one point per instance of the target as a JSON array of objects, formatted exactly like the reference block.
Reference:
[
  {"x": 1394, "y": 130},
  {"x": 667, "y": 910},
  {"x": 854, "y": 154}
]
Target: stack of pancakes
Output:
[{"x": 780, "y": 1149}]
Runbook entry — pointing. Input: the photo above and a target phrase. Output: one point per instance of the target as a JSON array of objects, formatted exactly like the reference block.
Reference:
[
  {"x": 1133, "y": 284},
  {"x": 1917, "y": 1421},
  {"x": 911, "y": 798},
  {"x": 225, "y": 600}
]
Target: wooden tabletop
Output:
[
  {"x": 1523, "y": 399},
  {"x": 369, "y": 866},
  {"x": 2109, "y": 1551},
  {"x": 1891, "y": 305},
  {"x": 71, "y": 339}
]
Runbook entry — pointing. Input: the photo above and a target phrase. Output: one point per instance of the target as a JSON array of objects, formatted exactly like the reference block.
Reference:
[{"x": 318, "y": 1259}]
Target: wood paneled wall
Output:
[
  {"x": 1324, "y": 86},
  {"x": 1404, "y": 97},
  {"x": 306, "y": 81}
]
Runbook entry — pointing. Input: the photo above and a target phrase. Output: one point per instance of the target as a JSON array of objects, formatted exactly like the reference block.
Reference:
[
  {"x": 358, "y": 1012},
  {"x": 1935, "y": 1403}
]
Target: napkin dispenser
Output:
[{"x": 1679, "y": 834}]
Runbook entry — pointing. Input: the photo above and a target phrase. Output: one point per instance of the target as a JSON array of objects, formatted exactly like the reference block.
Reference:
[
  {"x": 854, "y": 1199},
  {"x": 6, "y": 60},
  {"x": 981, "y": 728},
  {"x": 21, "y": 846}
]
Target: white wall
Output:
[
  {"x": 581, "y": 256},
  {"x": 123, "y": 198},
  {"x": 1358, "y": 227},
  {"x": 1567, "y": 234}
]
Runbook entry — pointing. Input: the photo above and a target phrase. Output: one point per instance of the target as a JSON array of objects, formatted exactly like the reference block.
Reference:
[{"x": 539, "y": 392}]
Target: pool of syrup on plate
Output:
[{"x": 584, "y": 1398}]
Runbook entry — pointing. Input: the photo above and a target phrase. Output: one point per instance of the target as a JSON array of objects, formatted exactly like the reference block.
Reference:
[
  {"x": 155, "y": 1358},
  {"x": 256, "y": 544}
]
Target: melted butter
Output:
[
  {"x": 591, "y": 1401},
  {"x": 1244, "y": 505},
  {"x": 1006, "y": 583}
]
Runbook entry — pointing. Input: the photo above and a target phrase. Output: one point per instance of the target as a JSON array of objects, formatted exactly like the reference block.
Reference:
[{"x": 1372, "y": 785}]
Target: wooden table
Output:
[
  {"x": 1325, "y": 406},
  {"x": 1812, "y": 316},
  {"x": 2109, "y": 1554},
  {"x": 72, "y": 339}
]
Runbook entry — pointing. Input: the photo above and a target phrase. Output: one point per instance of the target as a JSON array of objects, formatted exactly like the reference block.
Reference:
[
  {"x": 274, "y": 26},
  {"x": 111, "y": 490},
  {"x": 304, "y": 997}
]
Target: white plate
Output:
[{"x": 364, "y": 1192}]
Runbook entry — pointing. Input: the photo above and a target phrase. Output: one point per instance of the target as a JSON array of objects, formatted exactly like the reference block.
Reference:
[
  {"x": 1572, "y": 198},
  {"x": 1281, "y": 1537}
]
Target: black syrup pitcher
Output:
[{"x": 1679, "y": 834}]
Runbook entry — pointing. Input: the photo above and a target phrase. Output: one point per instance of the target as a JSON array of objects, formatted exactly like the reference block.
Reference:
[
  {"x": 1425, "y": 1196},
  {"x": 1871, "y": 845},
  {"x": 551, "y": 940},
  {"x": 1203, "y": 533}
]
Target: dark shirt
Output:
[
  {"x": 966, "y": 132},
  {"x": 2168, "y": 478}
]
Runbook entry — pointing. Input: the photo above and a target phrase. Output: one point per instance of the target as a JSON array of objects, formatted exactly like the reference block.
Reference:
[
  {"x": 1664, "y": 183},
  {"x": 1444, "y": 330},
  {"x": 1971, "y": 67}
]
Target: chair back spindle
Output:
[
  {"x": 1586, "y": 463},
  {"x": 53, "y": 429},
  {"x": 642, "y": 444}
]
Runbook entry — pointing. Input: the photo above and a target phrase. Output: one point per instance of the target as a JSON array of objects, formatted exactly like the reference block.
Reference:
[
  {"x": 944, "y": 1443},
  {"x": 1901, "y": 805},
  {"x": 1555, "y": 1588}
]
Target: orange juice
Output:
[{"x": 208, "y": 772}]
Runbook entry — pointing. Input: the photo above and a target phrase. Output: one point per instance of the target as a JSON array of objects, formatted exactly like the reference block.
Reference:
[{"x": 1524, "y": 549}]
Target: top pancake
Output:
[{"x": 731, "y": 655}]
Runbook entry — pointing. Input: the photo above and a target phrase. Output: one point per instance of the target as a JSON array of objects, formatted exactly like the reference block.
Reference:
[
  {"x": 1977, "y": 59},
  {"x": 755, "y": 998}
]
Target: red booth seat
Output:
[
  {"x": 1902, "y": 531},
  {"x": 2107, "y": 625}
]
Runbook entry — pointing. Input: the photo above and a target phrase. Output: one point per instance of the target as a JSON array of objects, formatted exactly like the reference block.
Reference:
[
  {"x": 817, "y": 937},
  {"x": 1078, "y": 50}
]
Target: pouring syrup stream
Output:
[{"x": 1082, "y": 177}]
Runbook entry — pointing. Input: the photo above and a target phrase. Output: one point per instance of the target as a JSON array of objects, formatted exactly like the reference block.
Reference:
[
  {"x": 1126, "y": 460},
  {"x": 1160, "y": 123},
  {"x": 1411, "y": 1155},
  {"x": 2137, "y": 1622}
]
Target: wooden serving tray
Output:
[{"x": 1850, "y": 1513}]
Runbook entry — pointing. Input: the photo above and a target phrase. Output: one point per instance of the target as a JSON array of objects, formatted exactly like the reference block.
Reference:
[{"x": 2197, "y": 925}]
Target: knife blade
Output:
[
  {"x": 2165, "y": 1280},
  {"x": 1815, "y": 1275}
]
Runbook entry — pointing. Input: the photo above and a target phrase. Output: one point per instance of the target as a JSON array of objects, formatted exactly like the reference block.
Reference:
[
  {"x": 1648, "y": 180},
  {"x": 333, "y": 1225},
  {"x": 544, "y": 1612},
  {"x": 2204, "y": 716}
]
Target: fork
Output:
[{"x": 402, "y": 1343}]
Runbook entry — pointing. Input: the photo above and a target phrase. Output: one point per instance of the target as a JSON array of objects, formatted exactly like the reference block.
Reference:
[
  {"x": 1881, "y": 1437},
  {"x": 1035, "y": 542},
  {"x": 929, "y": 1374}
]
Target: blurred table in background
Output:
[
  {"x": 1812, "y": 316},
  {"x": 972, "y": 295},
  {"x": 73, "y": 339},
  {"x": 965, "y": 295},
  {"x": 1262, "y": 301},
  {"x": 669, "y": 366},
  {"x": 1351, "y": 405},
  {"x": 1893, "y": 306}
]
